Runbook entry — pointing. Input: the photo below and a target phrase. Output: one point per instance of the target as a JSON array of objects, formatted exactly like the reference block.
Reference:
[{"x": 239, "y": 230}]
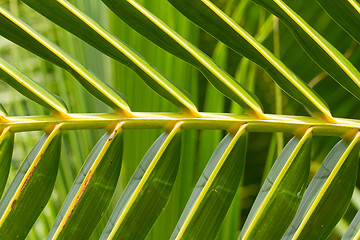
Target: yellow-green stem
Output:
[
  {"x": 278, "y": 93},
  {"x": 221, "y": 121}
]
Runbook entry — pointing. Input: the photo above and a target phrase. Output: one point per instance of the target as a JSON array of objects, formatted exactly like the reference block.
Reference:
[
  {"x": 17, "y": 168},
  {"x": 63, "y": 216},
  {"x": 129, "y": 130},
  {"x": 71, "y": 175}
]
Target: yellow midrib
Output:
[
  {"x": 117, "y": 130},
  {"x": 277, "y": 182},
  {"x": 309, "y": 31},
  {"x": 188, "y": 47},
  {"x": 38, "y": 157},
  {"x": 207, "y": 186},
  {"x": 66, "y": 59},
  {"x": 326, "y": 185},
  {"x": 164, "y": 83},
  {"x": 267, "y": 55},
  {"x": 174, "y": 131}
]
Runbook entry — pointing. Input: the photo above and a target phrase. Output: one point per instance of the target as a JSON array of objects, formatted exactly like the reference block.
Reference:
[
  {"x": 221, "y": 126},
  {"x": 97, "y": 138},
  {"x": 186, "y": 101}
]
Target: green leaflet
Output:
[
  {"x": 317, "y": 47},
  {"x": 70, "y": 18},
  {"x": 3, "y": 114},
  {"x": 280, "y": 195},
  {"x": 2, "y": 111},
  {"x": 18, "y": 32},
  {"x": 148, "y": 190},
  {"x": 213, "y": 20},
  {"x": 6, "y": 150},
  {"x": 31, "y": 188},
  {"x": 31, "y": 89},
  {"x": 329, "y": 193},
  {"x": 158, "y": 32},
  {"x": 215, "y": 190},
  {"x": 92, "y": 191},
  {"x": 346, "y": 14},
  {"x": 353, "y": 232},
  {"x": 271, "y": 157}
]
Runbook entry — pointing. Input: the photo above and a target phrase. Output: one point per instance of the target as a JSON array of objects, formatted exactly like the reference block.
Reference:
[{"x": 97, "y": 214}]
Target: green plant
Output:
[{"x": 286, "y": 206}]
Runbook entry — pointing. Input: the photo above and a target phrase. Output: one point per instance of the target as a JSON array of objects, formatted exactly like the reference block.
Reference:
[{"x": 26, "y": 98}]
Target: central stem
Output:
[{"x": 222, "y": 121}]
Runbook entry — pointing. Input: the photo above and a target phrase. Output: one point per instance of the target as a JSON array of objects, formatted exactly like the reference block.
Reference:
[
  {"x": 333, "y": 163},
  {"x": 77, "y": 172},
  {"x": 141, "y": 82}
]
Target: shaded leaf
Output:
[
  {"x": 317, "y": 47},
  {"x": 213, "y": 20},
  {"x": 31, "y": 89},
  {"x": 279, "y": 197},
  {"x": 158, "y": 32},
  {"x": 346, "y": 14},
  {"x": 148, "y": 190},
  {"x": 92, "y": 191},
  {"x": 329, "y": 193},
  {"x": 215, "y": 190},
  {"x": 67, "y": 16},
  {"x": 31, "y": 188},
  {"x": 6, "y": 150},
  {"x": 20, "y": 33},
  {"x": 353, "y": 232},
  {"x": 3, "y": 112}
]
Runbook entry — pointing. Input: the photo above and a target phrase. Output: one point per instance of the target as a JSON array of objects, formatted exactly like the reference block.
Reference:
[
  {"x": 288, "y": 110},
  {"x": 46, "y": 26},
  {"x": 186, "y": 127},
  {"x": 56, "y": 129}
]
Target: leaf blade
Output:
[
  {"x": 327, "y": 187},
  {"x": 31, "y": 188},
  {"x": 151, "y": 182},
  {"x": 158, "y": 32},
  {"x": 6, "y": 150},
  {"x": 31, "y": 89},
  {"x": 92, "y": 190},
  {"x": 317, "y": 47},
  {"x": 281, "y": 193},
  {"x": 346, "y": 14},
  {"x": 3, "y": 112},
  {"x": 214, "y": 193},
  {"x": 207, "y": 16},
  {"x": 73, "y": 20},
  {"x": 353, "y": 231},
  {"x": 20, "y": 33}
]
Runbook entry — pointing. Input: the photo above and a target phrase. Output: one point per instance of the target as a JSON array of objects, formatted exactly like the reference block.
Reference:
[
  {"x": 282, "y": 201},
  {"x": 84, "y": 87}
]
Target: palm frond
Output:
[{"x": 162, "y": 196}]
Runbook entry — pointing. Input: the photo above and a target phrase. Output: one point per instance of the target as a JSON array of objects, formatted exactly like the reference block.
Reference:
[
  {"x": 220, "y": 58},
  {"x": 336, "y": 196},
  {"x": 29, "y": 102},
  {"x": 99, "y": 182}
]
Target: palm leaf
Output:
[
  {"x": 217, "y": 23},
  {"x": 215, "y": 190},
  {"x": 279, "y": 197},
  {"x": 98, "y": 37},
  {"x": 31, "y": 188},
  {"x": 104, "y": 203},
  {"x": 158, "y": 32},
  {"x": 353, "y": 231},
  {"x": 6, "y": 150},
  {"x": 346, "y": 14},
  {"x": 327, "y": 185},
  {"x": 22, "y": 34},
  {"x": 317, "y": 47},
  {"x": 31, "y": 89},
  {"x": 92, "y": 190},
  {"x": 148, "y": 189}
]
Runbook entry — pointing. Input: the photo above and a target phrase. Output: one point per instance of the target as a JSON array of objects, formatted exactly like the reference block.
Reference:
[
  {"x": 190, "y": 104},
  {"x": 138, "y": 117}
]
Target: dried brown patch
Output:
[
  {"x": 77, "y": 199},
  {"x": 13, "y": 203},
  {"x": 28, "y": 178},
  {"x": 112, "y": 135}
]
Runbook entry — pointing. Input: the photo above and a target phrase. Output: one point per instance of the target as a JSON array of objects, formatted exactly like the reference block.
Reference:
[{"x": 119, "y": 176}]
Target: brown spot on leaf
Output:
[
  {"x": 28, "y": 177},
  {"x": 112, "y": 135},
  {"x": 78, "y": 198},
  {"x": 13, "y": 203}
]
